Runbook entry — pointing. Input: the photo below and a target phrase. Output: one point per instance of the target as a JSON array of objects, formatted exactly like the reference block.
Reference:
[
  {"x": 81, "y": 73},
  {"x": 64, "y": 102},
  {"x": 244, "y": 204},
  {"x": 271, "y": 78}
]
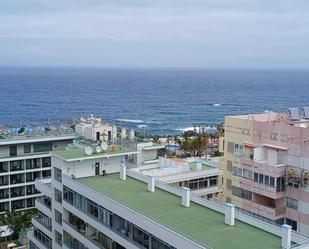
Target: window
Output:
[
  {"x": 13, "y": 150},
  {"x": 266, "y": 180},
  {"x": 27, "y": 148},
  {"x": 280, "y": 184},
  {"x": 58, "y": 216},
  {"x": 42, "y": 147},
  {"x": 58, "y": 238},
  {"x": 261, "y": 178},
  {"x": 4, "y": 167},
  {"x": 292, "y": 203},
  {"x": 256, "y": 177},
  {"x": 272, "y": 181},
  {"x": 239, "y": 149},
  {"x": 292, "y": 223},
  {"x": 242, "y": 193},
  {"x": 58, "y": 174},
  {"x": 16, "y": 165},
  {"x": 230, "y": 147},
  {"x": 58, "y": 195}
]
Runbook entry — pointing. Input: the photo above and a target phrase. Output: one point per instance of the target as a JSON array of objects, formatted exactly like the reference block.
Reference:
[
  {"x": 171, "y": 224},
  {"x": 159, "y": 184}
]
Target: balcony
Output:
[
  {"x": 44, "y": 205},
  {"x": 273, "y": 170},
  {"x": 88, "y": 241},
  {"x": 45, "y": 242},
  {"x": 268, "y": 212},
  {"x": 44, "y": 186}
]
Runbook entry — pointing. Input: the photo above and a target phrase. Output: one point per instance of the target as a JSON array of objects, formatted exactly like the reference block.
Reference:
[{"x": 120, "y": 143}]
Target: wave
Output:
[
  {"x": 138, "y": 121},
  {"x": 142, "y": 126},
  {"x": 217, "y": 104},
  {"x": 208, "y": 128},
  {"x": 267, "y": 111}
]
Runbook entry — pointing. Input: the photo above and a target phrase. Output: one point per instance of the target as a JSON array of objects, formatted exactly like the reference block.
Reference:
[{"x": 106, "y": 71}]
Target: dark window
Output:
[
  {"x": 13, "y": 150},
  {"x": 256, "y": 177},
  {"x": 27, "y": 148},
  {"x": 292, "y": 223},
  {"x": 261, "y": 178},
  {"x": 42, "y": 147},
  {"x": 266, "y": 180},
  {"x": 272, "y": 181}
]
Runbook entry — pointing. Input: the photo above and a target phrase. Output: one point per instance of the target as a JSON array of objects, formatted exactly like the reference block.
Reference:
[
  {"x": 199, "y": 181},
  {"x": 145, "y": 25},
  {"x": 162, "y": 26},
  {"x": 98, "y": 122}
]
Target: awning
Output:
[{"x": 276, "y": 147}]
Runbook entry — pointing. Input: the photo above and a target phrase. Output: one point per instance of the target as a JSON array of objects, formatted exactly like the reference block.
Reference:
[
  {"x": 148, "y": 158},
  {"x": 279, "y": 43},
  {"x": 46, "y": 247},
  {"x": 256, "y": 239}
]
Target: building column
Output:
[
  {"x": 151, "y": 184},
  {"x": 286, "y": 236},
  {"x": 123, "y": 171},
  {"x": 185, "y": 197},
  {"x": 229, "y": 217}
]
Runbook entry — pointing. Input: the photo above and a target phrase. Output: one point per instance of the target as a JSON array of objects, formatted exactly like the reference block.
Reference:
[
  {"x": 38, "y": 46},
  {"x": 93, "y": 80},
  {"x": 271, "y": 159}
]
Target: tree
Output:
[{"x": 18, "y": 220}]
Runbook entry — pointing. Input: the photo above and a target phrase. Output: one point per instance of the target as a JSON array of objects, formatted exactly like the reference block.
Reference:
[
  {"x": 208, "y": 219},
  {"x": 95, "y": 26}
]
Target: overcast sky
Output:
[{"x": 157, "y": 33}]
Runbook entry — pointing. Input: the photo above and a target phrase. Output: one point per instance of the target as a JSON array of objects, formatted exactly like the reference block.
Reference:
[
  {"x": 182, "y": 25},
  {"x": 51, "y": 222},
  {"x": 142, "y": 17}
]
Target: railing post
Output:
[
  {"x": 185, "y": 197},
  {"x": 123, "y": 171},
  {"x": 229, "y": 217},
  {"x": 286, "y": 236},
  {"x": 151, "y": 184}
]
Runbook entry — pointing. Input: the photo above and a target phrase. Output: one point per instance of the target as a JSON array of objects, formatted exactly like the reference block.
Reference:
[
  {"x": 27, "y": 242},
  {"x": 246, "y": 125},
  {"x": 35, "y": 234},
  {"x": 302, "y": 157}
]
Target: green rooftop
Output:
[
  {"x": 74, "y": 153},
  {"x": 198, "y": 223}
]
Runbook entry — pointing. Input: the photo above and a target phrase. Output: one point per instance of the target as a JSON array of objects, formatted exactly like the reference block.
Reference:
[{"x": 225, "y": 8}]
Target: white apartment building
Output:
[
  {"x": 93, "y": 201},
  {"x": 25, "y": 157}
]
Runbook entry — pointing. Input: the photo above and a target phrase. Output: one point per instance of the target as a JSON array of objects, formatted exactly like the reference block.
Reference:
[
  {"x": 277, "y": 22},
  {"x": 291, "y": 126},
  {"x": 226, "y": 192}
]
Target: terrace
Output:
[{"x": 74, "y": 153}]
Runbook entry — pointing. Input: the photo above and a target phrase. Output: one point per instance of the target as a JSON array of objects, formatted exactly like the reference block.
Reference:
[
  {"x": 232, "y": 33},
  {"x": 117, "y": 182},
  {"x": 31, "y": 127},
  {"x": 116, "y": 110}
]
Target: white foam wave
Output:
[
  {"x": 209, "y": 128},
  {"x": 142, "y": 126},
  {"x": 138, "y": 121},
  {"x": 217, "y": 104}
]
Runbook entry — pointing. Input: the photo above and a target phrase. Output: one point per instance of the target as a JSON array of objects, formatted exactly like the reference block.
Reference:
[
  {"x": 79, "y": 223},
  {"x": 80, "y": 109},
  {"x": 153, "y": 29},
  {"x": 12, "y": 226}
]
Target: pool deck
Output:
[{"x": 197, "y": 222}]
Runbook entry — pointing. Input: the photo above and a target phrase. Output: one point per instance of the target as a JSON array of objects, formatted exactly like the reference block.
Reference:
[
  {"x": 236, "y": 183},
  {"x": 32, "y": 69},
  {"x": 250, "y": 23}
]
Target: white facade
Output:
[{"x": 22, "y": 161}]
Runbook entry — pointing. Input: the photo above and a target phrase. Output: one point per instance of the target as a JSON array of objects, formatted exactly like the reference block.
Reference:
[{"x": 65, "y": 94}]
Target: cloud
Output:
[{"x": 203, "y": 33}]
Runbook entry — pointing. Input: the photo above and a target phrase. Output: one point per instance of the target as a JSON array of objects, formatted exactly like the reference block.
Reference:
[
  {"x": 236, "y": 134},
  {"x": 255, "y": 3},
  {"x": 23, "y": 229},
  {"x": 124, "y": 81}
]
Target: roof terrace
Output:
[
  {"x": 74, "y": 153},
  {"x": 199, "y": 223}
]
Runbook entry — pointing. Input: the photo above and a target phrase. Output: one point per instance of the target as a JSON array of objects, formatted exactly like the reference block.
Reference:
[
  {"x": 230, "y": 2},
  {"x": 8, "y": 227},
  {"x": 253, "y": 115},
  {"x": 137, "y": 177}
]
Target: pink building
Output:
[{"x": 266, "y": 166}]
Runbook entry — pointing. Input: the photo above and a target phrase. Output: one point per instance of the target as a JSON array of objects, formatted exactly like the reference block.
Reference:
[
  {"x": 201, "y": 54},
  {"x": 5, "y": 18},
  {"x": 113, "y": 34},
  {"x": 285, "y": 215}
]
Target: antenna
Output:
[
  {"x": 88, "y": 151},
  {"x": 104, "y": 146}
]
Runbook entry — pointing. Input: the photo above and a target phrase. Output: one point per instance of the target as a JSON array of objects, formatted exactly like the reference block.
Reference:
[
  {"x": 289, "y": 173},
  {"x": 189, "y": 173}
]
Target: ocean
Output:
[{"x": 155, "y": 101}]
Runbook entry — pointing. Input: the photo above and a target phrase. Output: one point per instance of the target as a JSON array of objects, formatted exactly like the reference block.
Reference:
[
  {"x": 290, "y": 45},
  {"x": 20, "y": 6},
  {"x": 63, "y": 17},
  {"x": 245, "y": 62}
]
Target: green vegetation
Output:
[
  {"x": 17, "y": 220},
  {"x": 195, "y": 146}
]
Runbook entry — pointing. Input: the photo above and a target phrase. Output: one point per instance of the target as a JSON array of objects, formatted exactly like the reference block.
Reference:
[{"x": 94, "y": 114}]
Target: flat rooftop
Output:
[
  {"x": 197, "y": 222},
  {"x": 36, "y": 137},
  {"x": 74, "y": 153}
]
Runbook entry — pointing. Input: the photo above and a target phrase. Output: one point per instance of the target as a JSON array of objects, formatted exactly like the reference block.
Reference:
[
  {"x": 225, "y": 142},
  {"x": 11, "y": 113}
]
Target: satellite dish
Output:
[
  {"x": 88, "y": 151},
  {"x": 98, "y": 149},
  {"x": 104, "y": 146}
]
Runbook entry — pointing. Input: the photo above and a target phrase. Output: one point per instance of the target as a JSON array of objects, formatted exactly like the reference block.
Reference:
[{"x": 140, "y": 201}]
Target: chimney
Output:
[
  {"x": 286, "y": 236},
  {"x": 229, "y": 218},
  {"x": 151, "y": 184},
  {"x": 123, "y": 171},
  {"x": 185, "y": 197}
]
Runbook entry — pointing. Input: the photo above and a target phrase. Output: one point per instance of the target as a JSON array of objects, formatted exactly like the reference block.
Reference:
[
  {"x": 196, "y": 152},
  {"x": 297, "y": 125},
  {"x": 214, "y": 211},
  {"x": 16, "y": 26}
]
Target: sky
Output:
[{"x": 157, "y": 33}]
